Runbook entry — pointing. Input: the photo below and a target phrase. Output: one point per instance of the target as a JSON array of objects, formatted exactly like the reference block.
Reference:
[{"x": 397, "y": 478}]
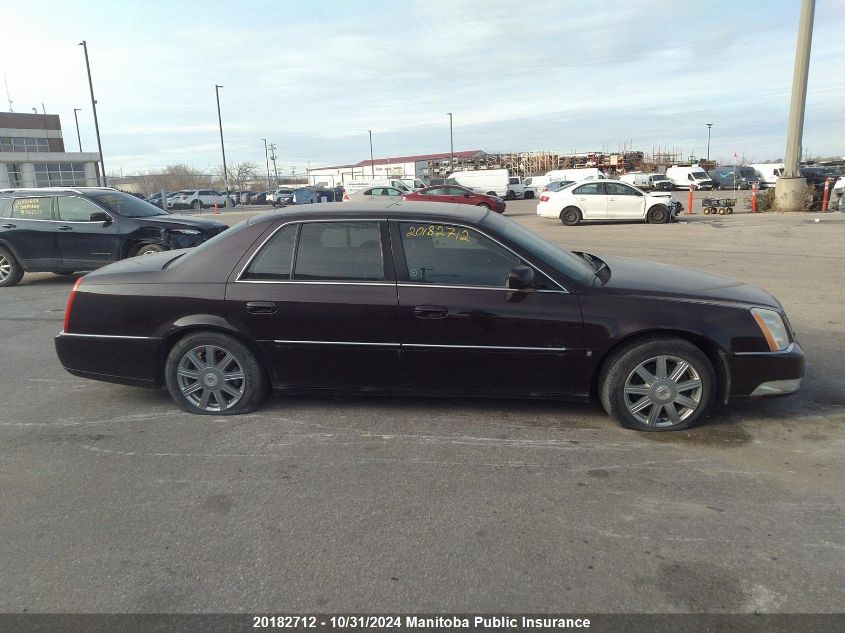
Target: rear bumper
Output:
[
  {"x": 766, "y": 375},
  {"x": 121, "y": 359}
]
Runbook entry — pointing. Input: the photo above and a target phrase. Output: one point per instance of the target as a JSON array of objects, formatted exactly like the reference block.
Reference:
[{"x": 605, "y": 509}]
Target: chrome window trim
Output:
[
  {"x": 498, "y": 288},
  {"x": 300, "y": 221},
  {"x": 316, "y": 282},
  {"x": 493, "y": 239},
  {"x": 138, "y": 338}
]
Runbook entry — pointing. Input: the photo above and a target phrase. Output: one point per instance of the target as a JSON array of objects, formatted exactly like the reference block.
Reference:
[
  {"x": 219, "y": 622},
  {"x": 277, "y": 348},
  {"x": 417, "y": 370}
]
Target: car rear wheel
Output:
[
  {"x": 658, "y": 385},
  {"x": 149, "y": 249},
  {"x": 658, "y": 214},
  {"x": 11, "y": 272},
  {"x": 485, "y": 205},
  {"x": 570, "y": 216},
  {"x": 209, "y": 373}
]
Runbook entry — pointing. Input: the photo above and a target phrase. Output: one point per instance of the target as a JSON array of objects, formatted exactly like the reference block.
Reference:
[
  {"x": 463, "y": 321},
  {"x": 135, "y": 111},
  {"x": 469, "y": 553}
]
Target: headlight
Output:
[
  {"x": 185, "y": 232},
  {"x": 773, "y": 328}
]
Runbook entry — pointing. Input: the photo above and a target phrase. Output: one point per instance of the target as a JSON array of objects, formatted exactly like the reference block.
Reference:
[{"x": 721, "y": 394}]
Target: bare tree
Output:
[{"x": 241, "y": 174}]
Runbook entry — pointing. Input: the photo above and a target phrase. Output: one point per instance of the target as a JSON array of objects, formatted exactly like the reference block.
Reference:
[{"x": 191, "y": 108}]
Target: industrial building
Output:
[
  {"x": 32, "y": 154},
  {"x": 422, "y": 166}
]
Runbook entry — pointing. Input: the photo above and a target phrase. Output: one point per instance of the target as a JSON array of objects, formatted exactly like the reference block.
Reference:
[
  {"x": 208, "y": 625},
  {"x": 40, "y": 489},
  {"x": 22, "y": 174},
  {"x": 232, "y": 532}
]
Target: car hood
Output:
[
  {"x": 181, "y": 220},
  {"x": 643, "y": 278}
]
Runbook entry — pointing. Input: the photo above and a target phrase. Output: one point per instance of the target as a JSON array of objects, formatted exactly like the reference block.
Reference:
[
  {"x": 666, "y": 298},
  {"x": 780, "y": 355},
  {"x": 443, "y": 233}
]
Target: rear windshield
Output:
[{"x": 125, "y": 205}]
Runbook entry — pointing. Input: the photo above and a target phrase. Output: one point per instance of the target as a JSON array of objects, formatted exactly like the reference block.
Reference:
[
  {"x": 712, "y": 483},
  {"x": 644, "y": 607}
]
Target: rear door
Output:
[
  {"x": 624, "y": 202},
  {"x": 83, "y": 244},
  {"x": 31, "y": 232},
  {"x": 464, "y": 332},
  {"x": 320, "y": 298},
  {"x": 592, "y": 198}
]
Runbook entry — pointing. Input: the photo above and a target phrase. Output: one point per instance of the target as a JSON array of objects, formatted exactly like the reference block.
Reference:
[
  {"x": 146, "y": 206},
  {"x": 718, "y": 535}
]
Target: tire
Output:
[
  {"x": 510, "y": 195},
  {"x": 149, "y": 249},
  {"x": 11, "y": 272},
  {"x": 485, "y": 205},
  {"x": 529, "y": 195},
  {"x": 658, "y": 214},
  {"x": 642, "y": 403},
  {"x": 196, "y": 205},
  {"x": 191, "y": 378},
  {"x": 570, "y": 216}
]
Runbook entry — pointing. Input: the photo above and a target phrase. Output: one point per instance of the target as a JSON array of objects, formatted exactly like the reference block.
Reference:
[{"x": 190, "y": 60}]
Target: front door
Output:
[
  {"x": 592, "y": 199},
  {"x": 464, "y": 331},
  {"x": 83, "y": 244},
  {"x": 624, "y": 202},
  {"x": 320, "y": 298}
]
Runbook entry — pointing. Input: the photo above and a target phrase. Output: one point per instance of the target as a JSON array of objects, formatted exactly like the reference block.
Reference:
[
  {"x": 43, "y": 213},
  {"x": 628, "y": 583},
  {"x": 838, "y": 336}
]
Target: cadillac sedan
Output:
[{"x": 429, "y": 299}]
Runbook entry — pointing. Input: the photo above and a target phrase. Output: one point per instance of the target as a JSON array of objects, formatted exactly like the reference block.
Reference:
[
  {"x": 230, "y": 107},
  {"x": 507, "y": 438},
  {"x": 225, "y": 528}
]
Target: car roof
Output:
[{"x": 442, "y": 211}]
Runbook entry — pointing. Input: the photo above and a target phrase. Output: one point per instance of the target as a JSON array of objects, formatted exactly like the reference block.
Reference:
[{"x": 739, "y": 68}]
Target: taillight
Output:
[
  {"x": 544, "y": 198},
  {"x": 70, "y": 302},
  {"x": 346, "y": 197}
]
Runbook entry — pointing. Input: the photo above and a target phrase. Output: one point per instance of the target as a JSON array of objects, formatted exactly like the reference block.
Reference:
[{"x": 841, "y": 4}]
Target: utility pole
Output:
[
  {"x": 267, "y": 159},
  {"x": 789, "y": 190},
  {"x": 451, "y": 144},
  {"x": 76, "y": 118},
  {"x": 222, "y": 146},
  {"x": 273, "y": 158},
  {"x": 372, "y": 160},
  {"x": 709, "y": 125},
  {"x": 84, "y": 45}
]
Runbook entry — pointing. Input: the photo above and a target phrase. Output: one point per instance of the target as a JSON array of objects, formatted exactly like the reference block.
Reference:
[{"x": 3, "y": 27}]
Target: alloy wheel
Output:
[
  {"x": 5, "y": 267},
  {"x": 663, "y": 391},
  {"x": 211, "y": 378}
]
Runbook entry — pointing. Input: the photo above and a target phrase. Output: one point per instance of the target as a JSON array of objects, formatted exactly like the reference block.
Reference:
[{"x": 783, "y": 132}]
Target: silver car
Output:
[{"x": 376, "y": 194}]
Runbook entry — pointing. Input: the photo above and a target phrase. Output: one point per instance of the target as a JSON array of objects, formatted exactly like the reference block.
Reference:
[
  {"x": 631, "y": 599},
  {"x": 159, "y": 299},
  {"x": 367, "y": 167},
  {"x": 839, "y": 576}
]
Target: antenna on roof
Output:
[{"x": 8, "y": 96}]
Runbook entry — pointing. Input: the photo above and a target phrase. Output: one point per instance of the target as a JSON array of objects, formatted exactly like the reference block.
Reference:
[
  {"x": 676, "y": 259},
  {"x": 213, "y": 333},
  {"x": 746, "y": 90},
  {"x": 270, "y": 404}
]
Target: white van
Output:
[
  {"x": 576, "y": 175},
  {"x": 639, "y": 179},
  {"x": 353, "y": 186},
  {"x": 768, "y": 172},
  {"x": 685, "y": 175},
  {"x": 493, "y": 182},
  {"x": 413, "y": 183}
]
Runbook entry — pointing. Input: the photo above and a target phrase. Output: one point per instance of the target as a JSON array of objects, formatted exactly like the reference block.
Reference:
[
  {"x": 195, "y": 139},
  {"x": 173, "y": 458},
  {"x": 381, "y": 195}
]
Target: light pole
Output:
[
  {"x": 709, "y": 125},
  {"x": 451, "y": 143},
  {"x": 84, "y": 45},
  {"x": 372, "y": 160},
  {"x": 267, "y": 158},
  {"x": 76, "y": 118},
  {"x": 222, "y": 146}
]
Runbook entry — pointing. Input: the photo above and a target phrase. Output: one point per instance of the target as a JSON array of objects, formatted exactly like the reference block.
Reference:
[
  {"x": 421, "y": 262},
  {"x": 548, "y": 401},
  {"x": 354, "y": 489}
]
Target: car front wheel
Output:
[
  {"x": 658, "y": 214},
  {"x": 149, "y": 249},
  {"x": 11, "y": 272},
  {"x": 209, "y": 373},
  {"x": 197, "y": 205},
  {"x": 658, "y": 385}
]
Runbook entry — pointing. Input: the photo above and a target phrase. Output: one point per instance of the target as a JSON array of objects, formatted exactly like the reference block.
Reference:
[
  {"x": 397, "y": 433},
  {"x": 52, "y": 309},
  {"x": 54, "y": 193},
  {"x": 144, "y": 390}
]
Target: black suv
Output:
[{"x": 64, "y": 230}]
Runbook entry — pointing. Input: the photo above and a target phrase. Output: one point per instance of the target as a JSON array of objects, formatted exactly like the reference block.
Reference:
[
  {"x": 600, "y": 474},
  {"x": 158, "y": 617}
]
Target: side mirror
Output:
[
  {"x": 521, "y": 278},
  {"x": 100, "y": 216}
]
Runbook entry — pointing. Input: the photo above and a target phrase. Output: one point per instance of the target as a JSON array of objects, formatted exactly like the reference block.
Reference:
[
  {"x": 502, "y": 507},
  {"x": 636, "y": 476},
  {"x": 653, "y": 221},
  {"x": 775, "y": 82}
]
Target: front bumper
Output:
[{"x": 766, "y": 374}]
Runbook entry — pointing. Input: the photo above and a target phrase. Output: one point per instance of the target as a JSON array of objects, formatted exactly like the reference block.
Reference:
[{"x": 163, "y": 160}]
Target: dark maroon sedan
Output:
[
  {"x": 424, "y": 298},
  {"x": 456, "y": 194}
]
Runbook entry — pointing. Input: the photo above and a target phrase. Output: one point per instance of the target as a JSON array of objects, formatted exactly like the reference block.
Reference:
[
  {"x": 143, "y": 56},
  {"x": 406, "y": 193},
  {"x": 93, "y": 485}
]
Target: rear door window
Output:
[
  {"x": 274, "y": 261},
  {"x": 32, "y": 208},
  {"x": 592, "y": 189},
  {"x": 339, "y": 251}
]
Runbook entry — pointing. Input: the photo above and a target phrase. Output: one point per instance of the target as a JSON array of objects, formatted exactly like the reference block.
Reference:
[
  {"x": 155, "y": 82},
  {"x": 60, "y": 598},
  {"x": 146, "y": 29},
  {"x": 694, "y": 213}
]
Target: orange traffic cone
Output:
[{"x": 216, "y": 210}]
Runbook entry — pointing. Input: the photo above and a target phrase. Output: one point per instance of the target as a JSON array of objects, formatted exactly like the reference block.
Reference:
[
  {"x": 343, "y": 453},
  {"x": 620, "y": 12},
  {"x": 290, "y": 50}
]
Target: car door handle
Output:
[
  {"x": 430, "y": 312},
  {"x": 8, "y": 226},
  {"x": 64, "y": 227},
  {"x": 261, "y": 307}
]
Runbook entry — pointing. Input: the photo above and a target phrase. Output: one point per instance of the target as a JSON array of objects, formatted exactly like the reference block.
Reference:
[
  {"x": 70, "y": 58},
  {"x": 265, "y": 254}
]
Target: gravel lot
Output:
[{"x": 115, "y": 501}]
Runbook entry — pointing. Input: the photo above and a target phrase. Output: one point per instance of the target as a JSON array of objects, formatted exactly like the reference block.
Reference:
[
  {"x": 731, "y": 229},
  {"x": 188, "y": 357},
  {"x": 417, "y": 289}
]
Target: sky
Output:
[{"x": 313, "y": 77}]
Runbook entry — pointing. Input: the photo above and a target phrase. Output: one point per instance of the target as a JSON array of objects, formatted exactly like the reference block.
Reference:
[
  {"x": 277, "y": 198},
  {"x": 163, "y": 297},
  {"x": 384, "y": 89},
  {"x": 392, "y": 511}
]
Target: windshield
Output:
[
  {"x": 125, "y": 205},
  {"x": 569, "y": 264},
  {"x": 747, "y": 172},
  {"x": 699, "y": 175},
  {"x": 656, "y": 178}
]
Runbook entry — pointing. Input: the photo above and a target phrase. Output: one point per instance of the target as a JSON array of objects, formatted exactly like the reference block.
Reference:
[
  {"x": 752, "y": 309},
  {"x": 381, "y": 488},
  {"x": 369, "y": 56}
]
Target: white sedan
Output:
[{"x": 607, "y": 200}]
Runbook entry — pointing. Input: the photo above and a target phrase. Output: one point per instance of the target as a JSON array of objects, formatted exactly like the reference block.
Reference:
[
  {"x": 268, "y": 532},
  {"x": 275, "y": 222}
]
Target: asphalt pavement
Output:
[{"x": 116, "y": 501}]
